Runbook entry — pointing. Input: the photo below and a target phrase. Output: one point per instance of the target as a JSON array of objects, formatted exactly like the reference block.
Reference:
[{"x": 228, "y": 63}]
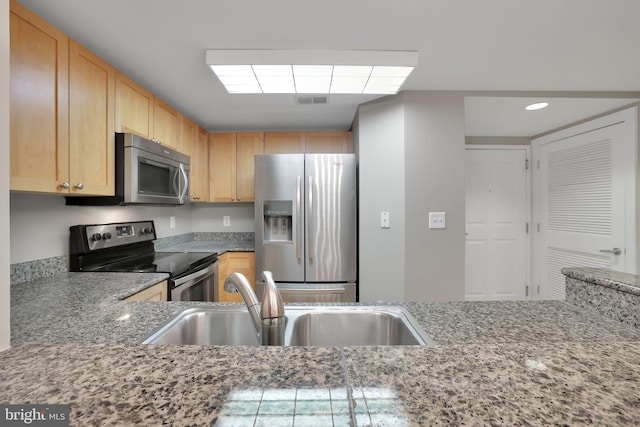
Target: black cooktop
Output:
[
  {"x": 128, "y": 247},
  {"x": 176, "y": 264}
]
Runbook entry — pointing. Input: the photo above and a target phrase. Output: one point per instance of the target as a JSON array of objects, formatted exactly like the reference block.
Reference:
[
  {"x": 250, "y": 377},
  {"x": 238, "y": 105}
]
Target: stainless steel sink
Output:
[
  {"x": 333, "y": 326},
  {"x": 206, "y": 326}
]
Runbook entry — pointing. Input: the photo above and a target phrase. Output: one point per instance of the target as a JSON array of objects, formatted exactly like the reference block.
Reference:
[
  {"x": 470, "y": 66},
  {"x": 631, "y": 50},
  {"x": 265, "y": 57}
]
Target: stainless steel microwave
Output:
[{"x": 147, "y": 173}]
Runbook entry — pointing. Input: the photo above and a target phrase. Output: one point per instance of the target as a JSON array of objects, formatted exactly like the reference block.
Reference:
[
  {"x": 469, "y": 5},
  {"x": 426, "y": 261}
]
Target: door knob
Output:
[{"x": 614, "y": 251}]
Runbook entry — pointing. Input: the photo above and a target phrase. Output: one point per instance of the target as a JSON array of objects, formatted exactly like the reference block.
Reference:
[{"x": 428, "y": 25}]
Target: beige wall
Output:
[
  {"x": 497, "y": 140},
  {"x": 379, "y": 138},
  {"x": 434, "y": 182},
  {"x": 5, "y": 299},
  {"x": 411, "y": 162}
]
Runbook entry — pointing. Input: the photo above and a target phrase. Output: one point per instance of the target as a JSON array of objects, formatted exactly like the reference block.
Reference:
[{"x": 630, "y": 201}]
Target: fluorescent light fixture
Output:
[
  {"x": 536, "y": 106},
  {"x": 319, "y": 71}
]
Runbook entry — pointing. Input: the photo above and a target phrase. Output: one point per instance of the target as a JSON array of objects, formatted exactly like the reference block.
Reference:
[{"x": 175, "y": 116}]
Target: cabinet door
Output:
[
  {"x": 39, "y": 67},
  {"x": 134, "y": 107},
  {"x": 200, "y": 168},
  {"x": 248, "y": 144},
  {"x": 232, "y": 262},
  {"x": 91, "y": 123},
  {"x": 328, "y": 142},
  {"x": 222, "y": 167},
  {"x": 165, "y": 123},
  {"x": 284, "y": 142},
  {"x": 157, "y": 292},
  {"x": 188, "y": 135}
]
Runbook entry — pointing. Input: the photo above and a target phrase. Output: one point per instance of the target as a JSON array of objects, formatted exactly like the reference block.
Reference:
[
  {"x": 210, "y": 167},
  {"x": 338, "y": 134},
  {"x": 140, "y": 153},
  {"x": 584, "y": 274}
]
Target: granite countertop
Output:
[
  {"x": 495, "y": 363},
  {"x": 219, "y": 246}
]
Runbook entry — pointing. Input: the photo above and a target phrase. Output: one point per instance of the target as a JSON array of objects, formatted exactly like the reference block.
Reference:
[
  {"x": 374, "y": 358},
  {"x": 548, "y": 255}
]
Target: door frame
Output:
[
  {"x": 529, "y": 294},
  {"x": 628, "y": 114}
]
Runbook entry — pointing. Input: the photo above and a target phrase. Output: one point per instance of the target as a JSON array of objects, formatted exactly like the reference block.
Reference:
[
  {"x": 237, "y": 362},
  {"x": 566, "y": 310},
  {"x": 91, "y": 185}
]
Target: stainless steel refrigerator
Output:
[{"x": 305, "y": 216}]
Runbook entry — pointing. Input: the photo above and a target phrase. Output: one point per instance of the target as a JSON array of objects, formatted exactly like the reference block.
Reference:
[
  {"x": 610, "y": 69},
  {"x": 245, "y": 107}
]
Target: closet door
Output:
[{"x": 587, "y": 200}]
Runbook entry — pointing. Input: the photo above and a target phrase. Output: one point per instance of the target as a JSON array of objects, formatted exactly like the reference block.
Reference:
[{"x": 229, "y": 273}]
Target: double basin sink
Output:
[{"x": 331, "y": 326}]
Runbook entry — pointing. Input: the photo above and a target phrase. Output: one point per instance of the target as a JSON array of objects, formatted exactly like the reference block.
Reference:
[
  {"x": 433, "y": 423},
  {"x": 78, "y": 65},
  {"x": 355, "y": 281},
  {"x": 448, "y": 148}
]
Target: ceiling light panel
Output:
[{"x": 320, "y": 72}]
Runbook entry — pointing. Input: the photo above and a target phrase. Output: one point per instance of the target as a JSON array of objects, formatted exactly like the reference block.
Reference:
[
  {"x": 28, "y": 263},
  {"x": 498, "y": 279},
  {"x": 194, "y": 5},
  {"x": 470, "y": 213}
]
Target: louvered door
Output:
[{"x": 586, "y": 197}]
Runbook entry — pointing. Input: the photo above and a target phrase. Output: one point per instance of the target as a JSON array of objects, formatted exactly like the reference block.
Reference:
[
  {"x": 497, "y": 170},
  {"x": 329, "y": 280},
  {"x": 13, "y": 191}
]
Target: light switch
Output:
[
  {"x": 437, "y": 220},
  {"x": 384, "y": 220}
]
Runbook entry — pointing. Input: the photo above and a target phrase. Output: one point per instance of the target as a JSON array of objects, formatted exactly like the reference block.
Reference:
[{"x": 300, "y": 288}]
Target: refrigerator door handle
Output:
[
  {"x": 299, "y": 217},
  {"x": 310, "y": 220}
]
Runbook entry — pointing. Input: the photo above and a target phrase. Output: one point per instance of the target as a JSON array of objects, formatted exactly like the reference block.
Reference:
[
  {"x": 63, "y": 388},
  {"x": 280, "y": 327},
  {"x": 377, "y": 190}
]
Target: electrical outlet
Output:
[
  {"x": 384, "y": 220},
  {"x": 226, "y": 221},
  {"x": 437, "y": 220},
  {"x": 172, "y": 222}
]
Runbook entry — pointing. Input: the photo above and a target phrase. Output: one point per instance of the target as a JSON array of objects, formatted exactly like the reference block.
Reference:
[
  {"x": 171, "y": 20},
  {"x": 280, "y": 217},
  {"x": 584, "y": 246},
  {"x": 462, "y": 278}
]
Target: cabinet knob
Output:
[
  {"x": 65, "y": 185},
  {"x": 233, "y": 199},
  {"x": 238, "y": 198},
  {"x": 79, "y": 186}
]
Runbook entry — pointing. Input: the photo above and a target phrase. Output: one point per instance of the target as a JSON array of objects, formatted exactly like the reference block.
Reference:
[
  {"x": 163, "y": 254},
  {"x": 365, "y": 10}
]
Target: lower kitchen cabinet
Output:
[
  {"x": 235, "y": 262},
  {"x": 157, "y": 292}
]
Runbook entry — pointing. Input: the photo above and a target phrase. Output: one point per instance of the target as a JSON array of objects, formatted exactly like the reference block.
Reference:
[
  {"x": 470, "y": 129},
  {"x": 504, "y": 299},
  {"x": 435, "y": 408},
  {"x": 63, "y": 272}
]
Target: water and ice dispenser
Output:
[{"x": 278, "y": 221}]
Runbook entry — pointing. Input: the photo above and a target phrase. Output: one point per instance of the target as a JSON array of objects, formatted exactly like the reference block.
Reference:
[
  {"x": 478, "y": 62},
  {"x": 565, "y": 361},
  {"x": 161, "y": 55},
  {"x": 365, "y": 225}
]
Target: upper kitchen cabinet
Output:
[
  {"x": 134, "y": 107},
  {"x": 284, "y": 142},
  {"x": 165, "y": 123},
  {"x": 139, "y": 111},
  {"x": 329, "y": 142},
  {"x": 39, "y": 66},
  {"x": 231, "y": 165},
  {"x": 193, "y": 143},
  {"x": 62, "y": 112},
  {"x": 91, "y": 123},
  {"x": 200, "y": 167}
]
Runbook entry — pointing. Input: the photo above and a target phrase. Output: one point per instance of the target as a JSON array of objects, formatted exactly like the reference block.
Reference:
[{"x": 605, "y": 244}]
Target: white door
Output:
[
  {"x": 586, "y": 199},
  {"x": 496, "y": 224}
]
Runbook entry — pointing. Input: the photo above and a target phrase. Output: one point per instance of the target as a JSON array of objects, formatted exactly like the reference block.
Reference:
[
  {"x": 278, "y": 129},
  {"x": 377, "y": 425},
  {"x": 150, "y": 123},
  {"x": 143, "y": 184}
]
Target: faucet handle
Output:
[{"x": 272, "y": 305}]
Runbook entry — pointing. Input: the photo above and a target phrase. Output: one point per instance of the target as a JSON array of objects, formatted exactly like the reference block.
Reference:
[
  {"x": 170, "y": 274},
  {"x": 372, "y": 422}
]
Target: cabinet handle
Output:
[
  {"x": 238, "y": 198},
  {"x": 65, "y": 185},
  {"x": 233, "y": 199},
  {"x": 614, "y": 251},
  {"x": 79, "y": 186}
]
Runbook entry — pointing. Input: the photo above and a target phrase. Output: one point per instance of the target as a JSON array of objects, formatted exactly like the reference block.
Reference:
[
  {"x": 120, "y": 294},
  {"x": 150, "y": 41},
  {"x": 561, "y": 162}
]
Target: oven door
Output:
[
  {"x": 150, "y": 178},
  {"x": 197, "y": 286}
]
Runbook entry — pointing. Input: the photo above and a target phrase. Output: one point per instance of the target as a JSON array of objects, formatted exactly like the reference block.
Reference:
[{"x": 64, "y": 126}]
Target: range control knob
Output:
[
  {"x": 96, "y": 237},
  {"x": 147, "y": 230},
  {"x": 106, "y": 236}
]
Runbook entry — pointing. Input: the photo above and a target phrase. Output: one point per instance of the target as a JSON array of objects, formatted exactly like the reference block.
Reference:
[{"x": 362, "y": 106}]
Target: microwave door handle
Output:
[
  {"x": 186, "y": 183},
  {"x": 176, "y": 182}
]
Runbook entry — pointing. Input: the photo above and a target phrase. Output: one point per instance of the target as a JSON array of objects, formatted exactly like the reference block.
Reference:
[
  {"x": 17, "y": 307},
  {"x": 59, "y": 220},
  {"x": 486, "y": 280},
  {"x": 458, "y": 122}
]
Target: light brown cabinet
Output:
[
  {"x": 284, "y": 142},
  {"x": 139, "y": 111},
  {"x": 200, "y": 167},
  {"x": 62, "y": 111},
  {"x": 328, "y": 142},
  {"x": 134, "y": 107},
  {"x": 231, "y": 167},
  {"x": 232, "y": 262},
  {"x": 165, "y": 123},
  {"x": 91, "y": 123},
  {"x": 157, "y": 292},
  {"x": 39, "y": 87}
]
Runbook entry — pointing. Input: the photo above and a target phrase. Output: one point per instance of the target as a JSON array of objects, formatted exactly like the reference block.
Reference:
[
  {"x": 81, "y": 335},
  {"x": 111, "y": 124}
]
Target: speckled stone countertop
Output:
[
  {"x": 623, "y": 282},
  {"x": 495, "y": 363},
  {"x": 219, "y": 246}
]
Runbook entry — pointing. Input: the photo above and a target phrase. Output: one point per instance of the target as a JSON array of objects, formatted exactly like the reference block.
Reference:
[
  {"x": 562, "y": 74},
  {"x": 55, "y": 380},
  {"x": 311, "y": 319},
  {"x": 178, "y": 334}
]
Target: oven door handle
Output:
[{"x": 196, "y": 276}]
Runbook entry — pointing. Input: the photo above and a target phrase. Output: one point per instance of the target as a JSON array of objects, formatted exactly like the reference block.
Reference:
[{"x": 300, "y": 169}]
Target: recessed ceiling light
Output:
[
  {"x": 536, "y": 106},
  {"x": 323, "y": 71}
]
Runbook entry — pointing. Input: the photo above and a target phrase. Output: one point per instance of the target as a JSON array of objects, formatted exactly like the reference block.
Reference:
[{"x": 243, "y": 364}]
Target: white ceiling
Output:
[{"x": 489, "y": 45}]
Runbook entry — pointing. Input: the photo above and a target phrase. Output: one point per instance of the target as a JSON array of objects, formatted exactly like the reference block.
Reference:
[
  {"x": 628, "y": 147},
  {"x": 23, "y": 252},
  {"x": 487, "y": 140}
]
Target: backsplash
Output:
[{"x": 32, "y": 270}]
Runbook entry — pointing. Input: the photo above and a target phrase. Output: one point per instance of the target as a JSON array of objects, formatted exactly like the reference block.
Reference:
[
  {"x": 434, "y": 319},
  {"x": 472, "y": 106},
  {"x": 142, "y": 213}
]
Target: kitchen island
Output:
[{"x": 495, "y": 363}]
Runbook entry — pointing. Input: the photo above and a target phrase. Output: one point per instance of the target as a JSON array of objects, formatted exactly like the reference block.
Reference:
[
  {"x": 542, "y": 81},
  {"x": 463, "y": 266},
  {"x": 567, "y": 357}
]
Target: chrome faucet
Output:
[{"x": 268, "y": 318}]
